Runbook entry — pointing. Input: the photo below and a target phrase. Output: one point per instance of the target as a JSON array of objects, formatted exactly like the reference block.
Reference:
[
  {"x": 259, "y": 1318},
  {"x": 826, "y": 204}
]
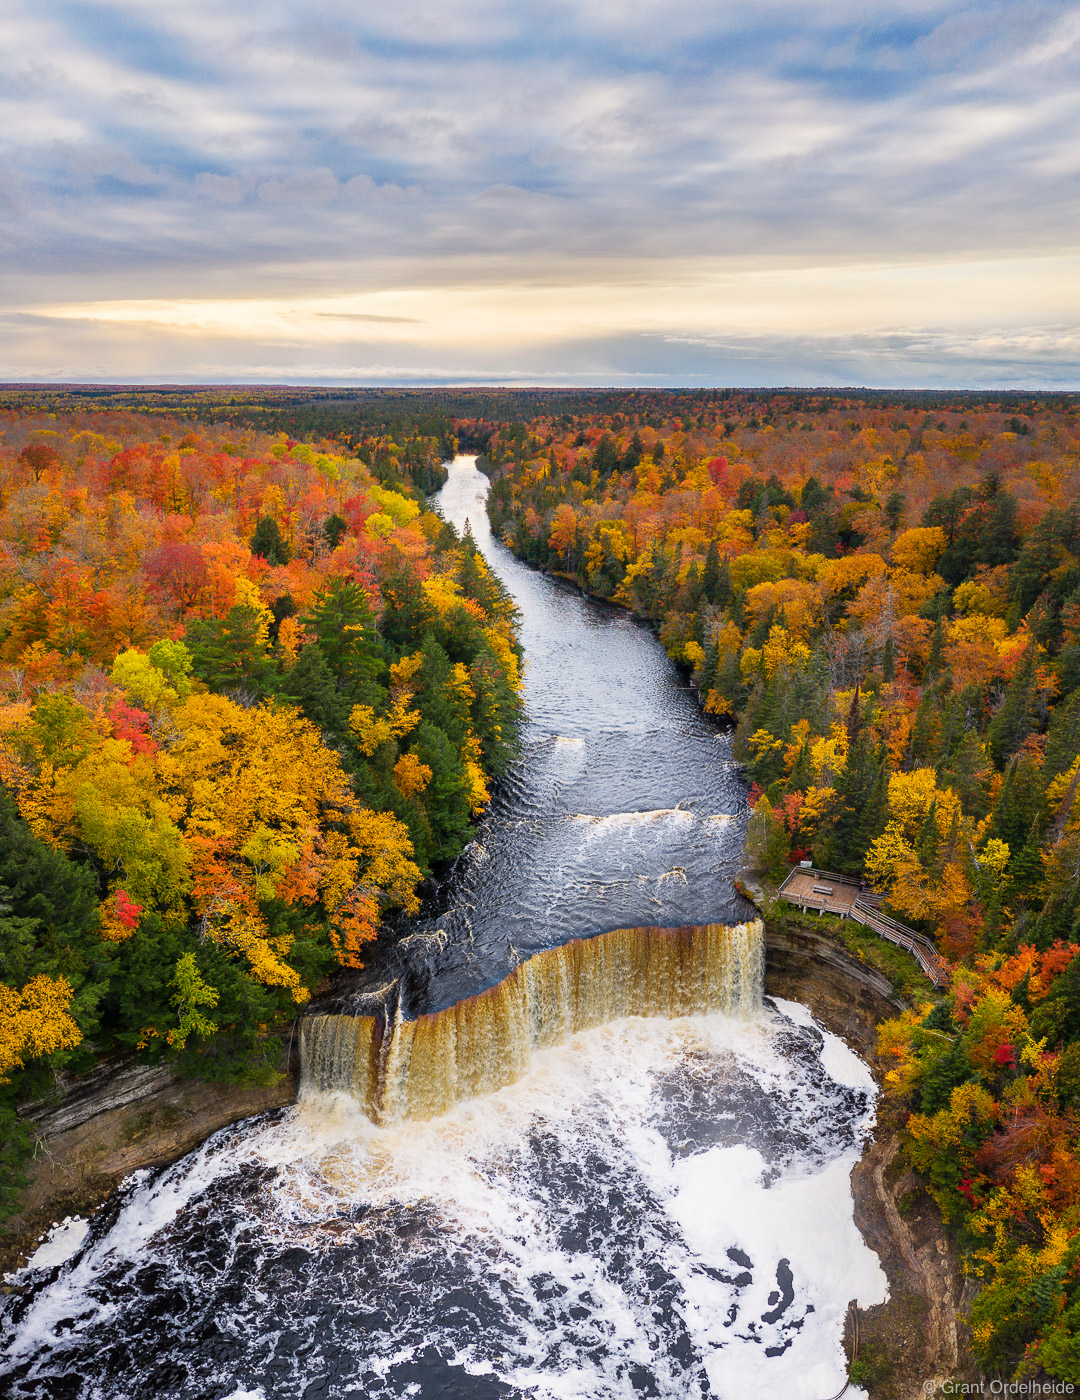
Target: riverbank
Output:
[
  {"x": 919, "y": 1335},
  {"x": 119, "y": 1119}
]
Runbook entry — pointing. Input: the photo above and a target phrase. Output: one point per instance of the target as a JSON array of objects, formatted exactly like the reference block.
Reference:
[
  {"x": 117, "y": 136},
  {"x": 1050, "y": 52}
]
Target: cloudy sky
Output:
[{"x": 541, "y": 191}]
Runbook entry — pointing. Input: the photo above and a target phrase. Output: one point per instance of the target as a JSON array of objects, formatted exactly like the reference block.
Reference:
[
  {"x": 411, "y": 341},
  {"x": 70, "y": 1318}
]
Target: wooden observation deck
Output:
[{"x": 852, "y": 899}]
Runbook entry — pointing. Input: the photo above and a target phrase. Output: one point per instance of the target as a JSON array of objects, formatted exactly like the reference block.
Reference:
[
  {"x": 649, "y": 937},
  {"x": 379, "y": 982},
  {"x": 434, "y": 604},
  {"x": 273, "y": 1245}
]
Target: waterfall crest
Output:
[{"x": 421, "y": 1068}]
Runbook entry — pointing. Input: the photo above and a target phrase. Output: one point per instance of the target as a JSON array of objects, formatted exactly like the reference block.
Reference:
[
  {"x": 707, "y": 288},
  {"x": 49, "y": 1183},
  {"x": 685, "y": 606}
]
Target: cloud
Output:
[
  {"x": 302, "y": 187},
  {"x": 359, "y": 316},
  {"x": 265, "y": 148},
  {"x": 225, "y": 188}
]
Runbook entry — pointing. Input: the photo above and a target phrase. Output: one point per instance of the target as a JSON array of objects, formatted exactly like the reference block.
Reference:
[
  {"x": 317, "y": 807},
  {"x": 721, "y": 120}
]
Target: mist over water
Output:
[{"x": 658, "y": 1207}]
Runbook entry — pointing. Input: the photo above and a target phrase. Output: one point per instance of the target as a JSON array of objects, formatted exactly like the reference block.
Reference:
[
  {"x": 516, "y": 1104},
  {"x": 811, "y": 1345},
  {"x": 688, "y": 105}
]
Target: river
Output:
[{"x": 649, "y": 1206}]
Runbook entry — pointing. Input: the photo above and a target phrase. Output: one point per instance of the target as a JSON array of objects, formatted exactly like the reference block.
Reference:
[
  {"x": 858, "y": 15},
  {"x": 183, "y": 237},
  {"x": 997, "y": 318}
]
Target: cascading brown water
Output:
[{"x": 420, "y": 1068}]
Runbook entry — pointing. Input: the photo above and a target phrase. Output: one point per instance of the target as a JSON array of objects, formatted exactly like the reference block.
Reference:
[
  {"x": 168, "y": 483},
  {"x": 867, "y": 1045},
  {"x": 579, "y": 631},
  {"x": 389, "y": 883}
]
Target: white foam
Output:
[
  {"x": 63, "y": 1240},
  {"x": 839, "y": 1059},
  {"x": 806, "y": 1219},
  {"x": 629, "y": 821},
  {"x": 594, "y": 1099}
]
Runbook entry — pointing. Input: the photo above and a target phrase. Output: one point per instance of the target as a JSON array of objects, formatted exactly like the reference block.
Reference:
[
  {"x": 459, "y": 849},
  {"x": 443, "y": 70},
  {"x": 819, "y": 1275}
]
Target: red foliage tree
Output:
[{"x": 176, "y": 572}]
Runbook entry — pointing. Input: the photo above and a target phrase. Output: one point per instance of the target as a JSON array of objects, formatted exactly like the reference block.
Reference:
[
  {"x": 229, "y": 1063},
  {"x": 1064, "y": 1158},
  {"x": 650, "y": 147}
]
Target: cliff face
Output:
[
  {"x": 804, "y": 964},
  {"x": 916, "y": 1339},
  {"x": 116, "y": 1119}
]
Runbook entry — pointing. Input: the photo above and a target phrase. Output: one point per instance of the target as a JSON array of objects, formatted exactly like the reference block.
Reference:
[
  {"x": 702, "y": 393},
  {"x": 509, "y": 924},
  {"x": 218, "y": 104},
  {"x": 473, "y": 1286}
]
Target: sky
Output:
[{"x": 623, "y": 192}]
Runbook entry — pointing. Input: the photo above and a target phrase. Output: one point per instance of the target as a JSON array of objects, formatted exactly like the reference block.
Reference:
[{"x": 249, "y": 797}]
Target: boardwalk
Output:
[{"x": 851, "y": 899}]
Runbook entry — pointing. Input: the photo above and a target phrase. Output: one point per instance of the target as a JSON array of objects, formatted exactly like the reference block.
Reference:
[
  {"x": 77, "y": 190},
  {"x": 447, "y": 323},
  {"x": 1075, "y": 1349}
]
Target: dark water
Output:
[
  {"x": 658, "y": 1208},
  {"x": 625, "y": 809}
]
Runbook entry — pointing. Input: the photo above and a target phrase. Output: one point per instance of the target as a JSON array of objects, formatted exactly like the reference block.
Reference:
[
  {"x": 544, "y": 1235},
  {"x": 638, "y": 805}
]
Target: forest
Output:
[
  {"x": 880, "y": 594},
  {"x": 253, "y": 691},
  {"x": 252, "y": 695}
]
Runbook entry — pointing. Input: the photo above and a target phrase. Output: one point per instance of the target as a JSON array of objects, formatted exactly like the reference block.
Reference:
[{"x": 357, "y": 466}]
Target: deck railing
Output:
[{"x": 863, "y": 909}]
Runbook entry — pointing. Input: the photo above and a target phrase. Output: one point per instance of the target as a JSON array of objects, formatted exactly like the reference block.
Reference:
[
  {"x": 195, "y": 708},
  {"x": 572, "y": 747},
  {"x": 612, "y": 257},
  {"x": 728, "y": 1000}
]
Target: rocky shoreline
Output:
[
  {"x": 115, "y": 1120},
  {"x": 918, "y": 1338}
]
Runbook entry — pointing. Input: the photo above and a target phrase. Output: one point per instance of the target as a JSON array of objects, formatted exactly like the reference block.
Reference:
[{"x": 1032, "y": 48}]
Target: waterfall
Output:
[{"x": 421, "y": 1068}]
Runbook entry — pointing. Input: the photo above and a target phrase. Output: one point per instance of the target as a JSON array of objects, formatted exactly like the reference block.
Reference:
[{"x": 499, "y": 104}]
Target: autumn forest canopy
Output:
[
  {"x": 253, "y": 690},
  {"x": 252, "y": 693}
]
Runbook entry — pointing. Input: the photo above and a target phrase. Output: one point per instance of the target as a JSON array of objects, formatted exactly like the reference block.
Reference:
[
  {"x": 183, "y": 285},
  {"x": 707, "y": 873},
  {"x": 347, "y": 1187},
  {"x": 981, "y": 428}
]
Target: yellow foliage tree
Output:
[
  {"x": 918, "y": 550},
  {"x": 35, "y": 1021},
  {"x": 192, "y": 994},
  {"x": 800, "y": 601},
  {"x": 268, "y": 812},
  {"x": 410, "y": 775},
  {"x": 780, "y": 649}
]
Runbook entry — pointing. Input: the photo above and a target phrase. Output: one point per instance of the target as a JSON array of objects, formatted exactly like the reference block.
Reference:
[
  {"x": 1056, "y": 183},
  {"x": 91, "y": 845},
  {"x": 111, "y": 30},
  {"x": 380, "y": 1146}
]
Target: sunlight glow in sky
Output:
[{"x": 573, "y": 191}]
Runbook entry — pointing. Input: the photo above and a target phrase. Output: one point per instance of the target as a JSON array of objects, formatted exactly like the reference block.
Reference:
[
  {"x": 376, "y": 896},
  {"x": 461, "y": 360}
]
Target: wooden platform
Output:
[
  {"x": 814, "y": 889},
  {"x": 853, "y": 899}
]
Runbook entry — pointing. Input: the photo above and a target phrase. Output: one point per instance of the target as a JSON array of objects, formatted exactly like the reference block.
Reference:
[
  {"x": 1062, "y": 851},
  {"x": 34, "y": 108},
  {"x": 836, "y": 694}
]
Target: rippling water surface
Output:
[
  {"x": 625, "y": 809},
  {"x": 658, "y": 1208}
]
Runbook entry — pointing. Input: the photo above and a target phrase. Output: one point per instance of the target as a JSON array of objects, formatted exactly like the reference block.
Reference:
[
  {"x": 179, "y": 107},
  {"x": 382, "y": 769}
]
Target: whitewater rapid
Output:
[{"x": 661, "y": 1207}]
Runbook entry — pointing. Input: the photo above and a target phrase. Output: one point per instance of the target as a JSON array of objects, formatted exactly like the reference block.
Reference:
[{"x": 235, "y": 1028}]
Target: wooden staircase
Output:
[{"x": 851, "y": 899}]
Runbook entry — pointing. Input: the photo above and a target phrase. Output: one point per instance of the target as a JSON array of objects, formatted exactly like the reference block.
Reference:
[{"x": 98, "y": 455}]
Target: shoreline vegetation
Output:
[
  {"x": 880, "y": 592},
  {"x": 252, "y": 694}
]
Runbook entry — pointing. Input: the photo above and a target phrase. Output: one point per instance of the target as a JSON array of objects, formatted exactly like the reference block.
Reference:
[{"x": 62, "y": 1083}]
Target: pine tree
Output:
[
  {"x": 605, "y": 458},
  {"x": 268, "y": 542},
  {"x": 875, "y": 811},
  {"x": 334, "y": 529},
  {"x": 965, "y": 774},
  {"x": 936, "y": 658},
  {"x": 710, "y": 578},
  {"x": 1018, "y": 715},
  {"x": 724, "y": 591},
  {"x": 928, "y": 840},
  {"x": 924, "y": 731},
  {"x": 232, "y": 652},
  {"x": 342, "y": 623},
  {"x": 888, "y": 662},
  {"x": 858, "y": 794},
  {"x": 312, "y": 684},
  {"x": 1063, "y": 737}
]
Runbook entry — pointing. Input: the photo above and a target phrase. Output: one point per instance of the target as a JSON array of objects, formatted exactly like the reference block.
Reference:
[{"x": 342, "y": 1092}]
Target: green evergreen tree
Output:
[
  {"x": 924, "y": 732},
  {"x": 1062, "y": 738},
  {"x": 936, "y": 657},
  {"x": 1021, "y": 805},
  {"x": 335, "y": 528},
  {"x": 858, "y": 803},
  {"x": 446, "y": 798},
  {"x": 1017, "y": 716},
  {"x": 928, "y": 840},
  {"x": 231, "y": 653},
  {"x": 965, "y": 773},
  {"x": 710, "y": 576},
  {"x": 605, "y": 457},
  {"x": 312, "y": 684},
  {"x": 269, "y": 543},
  {"x": 344, "y": 630}
]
